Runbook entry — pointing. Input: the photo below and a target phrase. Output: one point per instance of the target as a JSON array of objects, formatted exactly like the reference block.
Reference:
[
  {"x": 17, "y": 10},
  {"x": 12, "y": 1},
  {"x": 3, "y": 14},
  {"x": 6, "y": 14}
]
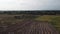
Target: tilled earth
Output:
[{"x": 30, "y": 27}]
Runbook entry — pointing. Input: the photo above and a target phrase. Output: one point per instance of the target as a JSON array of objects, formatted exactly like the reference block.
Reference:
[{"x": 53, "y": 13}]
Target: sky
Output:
[{"x": 29, "y": 4}]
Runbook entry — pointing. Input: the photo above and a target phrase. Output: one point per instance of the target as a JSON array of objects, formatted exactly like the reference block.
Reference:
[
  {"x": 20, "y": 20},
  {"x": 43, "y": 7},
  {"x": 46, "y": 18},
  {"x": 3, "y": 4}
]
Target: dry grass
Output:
[{"x": 9, "y": 20}]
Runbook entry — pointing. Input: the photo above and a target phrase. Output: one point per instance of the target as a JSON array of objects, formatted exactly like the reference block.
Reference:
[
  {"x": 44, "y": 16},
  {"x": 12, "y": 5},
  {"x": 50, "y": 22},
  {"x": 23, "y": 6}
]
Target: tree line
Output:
[{"x": 32, "y": 12}]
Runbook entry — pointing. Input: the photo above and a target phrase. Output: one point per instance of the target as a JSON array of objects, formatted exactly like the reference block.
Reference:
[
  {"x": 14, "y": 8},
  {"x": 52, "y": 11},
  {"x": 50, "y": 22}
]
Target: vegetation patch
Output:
[{"x": 45, "y": 18}]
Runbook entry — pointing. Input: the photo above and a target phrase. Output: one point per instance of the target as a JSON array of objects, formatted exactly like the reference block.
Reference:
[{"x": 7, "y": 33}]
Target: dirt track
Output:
[{"x": 30, "y": 27}]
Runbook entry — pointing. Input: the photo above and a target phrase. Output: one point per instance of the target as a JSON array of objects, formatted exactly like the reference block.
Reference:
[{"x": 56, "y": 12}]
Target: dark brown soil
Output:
[{"x": 30, "y": 27}]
